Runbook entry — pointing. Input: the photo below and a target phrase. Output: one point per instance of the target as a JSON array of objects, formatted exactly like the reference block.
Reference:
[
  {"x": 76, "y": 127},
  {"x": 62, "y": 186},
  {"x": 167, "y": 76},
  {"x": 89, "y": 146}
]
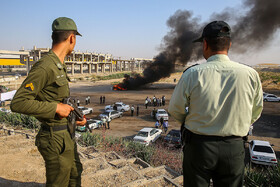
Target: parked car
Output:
[
  {"x": 92, "y": 123},
  {"x": 5, "y": 110},
  {"x": 161, "y": 113},
  {"x": 119, "y": 106},
  {"x": 271, "y": 97},
  {"x": 85, "y": 110},
  {"x": 112, "y": 114},
  {"x": 173, "y": 138},
  {"x": 147, "y": 135},
  {"x": 262, "y": 153}
]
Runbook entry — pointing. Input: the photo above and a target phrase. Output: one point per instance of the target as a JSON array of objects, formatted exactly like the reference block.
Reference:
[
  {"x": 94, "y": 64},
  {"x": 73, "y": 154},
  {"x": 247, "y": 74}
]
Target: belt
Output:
[
  {"x": 215, "y": 138},
  {"x": 54, "y": 128}
]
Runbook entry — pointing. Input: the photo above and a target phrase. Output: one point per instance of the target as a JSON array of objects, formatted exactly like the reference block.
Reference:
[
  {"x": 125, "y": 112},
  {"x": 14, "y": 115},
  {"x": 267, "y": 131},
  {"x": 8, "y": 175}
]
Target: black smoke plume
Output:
[{"x": 253, "y": 26}]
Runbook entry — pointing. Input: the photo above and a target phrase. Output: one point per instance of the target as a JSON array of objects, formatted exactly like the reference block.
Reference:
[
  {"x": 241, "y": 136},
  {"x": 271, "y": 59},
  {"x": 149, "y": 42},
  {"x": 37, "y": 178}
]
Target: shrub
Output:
[
  {"x": 269, "y": 176},
  {"x": 16, "y": 119},
  {"x": 91, "y": 139},
  {"x": 140, "y": 151}
]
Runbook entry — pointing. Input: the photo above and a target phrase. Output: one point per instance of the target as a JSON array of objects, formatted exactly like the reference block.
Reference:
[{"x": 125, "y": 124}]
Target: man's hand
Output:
[
  {"x": 81, "y": 123},
  {"x": 63, "y": 110}
]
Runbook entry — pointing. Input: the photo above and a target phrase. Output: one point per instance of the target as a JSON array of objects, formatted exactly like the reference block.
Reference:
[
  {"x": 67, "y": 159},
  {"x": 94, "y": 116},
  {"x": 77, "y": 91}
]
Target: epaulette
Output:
[{"x": 190, "y": 67}]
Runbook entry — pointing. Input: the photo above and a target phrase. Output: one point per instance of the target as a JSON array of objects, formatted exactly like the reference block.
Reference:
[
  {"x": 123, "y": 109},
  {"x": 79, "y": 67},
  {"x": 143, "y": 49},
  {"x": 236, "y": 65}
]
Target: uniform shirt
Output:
[
  {"x": 45, "y": 86},
  {"x": 223, "y": 98}
]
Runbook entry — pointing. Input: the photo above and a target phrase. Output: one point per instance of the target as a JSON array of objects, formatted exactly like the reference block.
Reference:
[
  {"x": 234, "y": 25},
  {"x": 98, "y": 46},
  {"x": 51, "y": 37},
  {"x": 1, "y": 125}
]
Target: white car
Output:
[
  {"x": 112, "y": 114},
  {"x": 271, "y": 97},
  {"x": 85, "y": 110},
  {"x": 160, "y": 113},
  {"x": 147, "y": 135},
  {"x": 92, "y": 124},
  {"x": 5, "y": 110},
  {"x": 119, "y": 106},
  {"x": 261, "y": 152}
]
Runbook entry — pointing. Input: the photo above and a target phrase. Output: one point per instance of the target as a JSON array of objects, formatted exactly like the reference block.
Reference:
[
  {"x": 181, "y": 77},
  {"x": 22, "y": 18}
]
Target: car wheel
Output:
[
  {"x": 122, "y": 110},
  {"x": 265, "y": 99}
]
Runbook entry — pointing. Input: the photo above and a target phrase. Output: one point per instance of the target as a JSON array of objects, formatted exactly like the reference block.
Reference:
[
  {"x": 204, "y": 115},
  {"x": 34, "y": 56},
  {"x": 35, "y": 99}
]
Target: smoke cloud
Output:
[{"x": 251, "y": 29}]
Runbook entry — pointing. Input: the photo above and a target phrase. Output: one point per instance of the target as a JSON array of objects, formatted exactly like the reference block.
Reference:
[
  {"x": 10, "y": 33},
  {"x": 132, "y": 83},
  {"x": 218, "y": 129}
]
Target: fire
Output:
[{"x": 119, "y": 87}]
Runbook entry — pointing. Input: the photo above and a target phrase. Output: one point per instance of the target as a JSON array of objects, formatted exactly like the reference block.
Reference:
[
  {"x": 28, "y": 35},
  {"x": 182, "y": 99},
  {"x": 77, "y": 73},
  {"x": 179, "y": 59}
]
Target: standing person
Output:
[
  {"x": 104, "y": 122},
  {"x": 132, "y": 110},
  {"x": 146, "y": 103},
  {"x": 78, "y": 102},
  {"x": 137, "y": 110},
  {"x": 165, "y": 126},
  {"x": 74, "y": 100},
  {"x": 161, "y": 122},
  {"x": 104, "y": 99},
  {"x": 88, "y": 99},
  {"x": 163, "y": 100},
  {"x": 157, "y": 124},
  {"x": 155, "y": 101},
  {"x": 108, "y": 122},
  {"x": 213, "y": 127},
  {"x": 160, "y": 101},
  {"x": 149, "y": 102},
  {"x": 41, "y": 95},
  {"x": 154, "y": 113},
  {"x": 101, "y": 99}
]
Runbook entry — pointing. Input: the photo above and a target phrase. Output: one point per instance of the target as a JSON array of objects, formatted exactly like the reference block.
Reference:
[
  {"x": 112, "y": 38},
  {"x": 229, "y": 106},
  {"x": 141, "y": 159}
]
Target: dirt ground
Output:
[
  {"x": 22, "y": 155},
  {"x": 266, "y": 128}
]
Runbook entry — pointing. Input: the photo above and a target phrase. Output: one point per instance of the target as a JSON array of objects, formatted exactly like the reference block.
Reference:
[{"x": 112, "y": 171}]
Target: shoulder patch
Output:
[
  {"x": 190, "y": 67},
  {"x": 29, "y": 87}
]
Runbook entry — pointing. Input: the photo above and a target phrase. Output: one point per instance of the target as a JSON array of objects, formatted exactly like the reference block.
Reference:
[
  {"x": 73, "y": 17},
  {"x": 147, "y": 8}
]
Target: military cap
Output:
[
  {"x": 64, "y": 24},
  {"x": 215, "y": 29}
]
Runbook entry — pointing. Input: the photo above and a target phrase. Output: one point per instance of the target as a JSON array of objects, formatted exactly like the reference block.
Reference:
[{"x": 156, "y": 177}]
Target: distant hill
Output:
[{"x": 268, "y": 64}]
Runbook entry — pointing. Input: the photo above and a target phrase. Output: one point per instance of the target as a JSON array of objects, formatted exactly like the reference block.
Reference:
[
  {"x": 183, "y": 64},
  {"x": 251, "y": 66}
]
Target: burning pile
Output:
[
  {"x": 119, "y": 87},
  {"x": 124, "y": 85},
  {"x": 252, "y": 30}
]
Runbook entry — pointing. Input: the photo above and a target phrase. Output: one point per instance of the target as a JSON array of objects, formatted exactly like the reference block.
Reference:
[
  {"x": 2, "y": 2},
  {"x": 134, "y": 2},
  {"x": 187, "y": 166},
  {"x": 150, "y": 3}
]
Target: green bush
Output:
[
  {"x": 140, "y": 150},
  {"x": 111, "y": 76},
  {"x": 262, "y": 177},
  {"x": 16, "y": 119},
  {"x": 91, "y": 139}
]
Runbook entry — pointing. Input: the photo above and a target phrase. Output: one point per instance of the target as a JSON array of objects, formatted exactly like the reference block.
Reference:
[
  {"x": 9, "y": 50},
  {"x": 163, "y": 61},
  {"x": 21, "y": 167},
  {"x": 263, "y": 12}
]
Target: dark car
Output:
[{"x": 173, "y": 138}]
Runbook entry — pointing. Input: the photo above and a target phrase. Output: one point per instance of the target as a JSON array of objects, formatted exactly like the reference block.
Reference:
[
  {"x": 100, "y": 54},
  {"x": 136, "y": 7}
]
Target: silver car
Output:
[{"x": 112, "y": 114}]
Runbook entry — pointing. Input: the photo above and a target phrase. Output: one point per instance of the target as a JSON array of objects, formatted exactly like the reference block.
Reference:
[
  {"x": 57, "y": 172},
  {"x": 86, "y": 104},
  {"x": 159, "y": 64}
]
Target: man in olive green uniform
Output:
[
  {"x": 223, "y": 98},
  {"x": 41, "y": 95}
]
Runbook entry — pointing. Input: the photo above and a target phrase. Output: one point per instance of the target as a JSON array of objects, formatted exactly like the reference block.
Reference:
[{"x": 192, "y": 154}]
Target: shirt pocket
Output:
[{"x": 62, "y": 88}]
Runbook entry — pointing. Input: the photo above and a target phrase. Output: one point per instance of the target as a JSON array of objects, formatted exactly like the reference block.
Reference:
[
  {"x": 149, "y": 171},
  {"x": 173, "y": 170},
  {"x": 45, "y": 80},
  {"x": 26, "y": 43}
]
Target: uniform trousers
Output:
[
  {"x": 221, "y": 160},
  {"x": 63, "y": 166}
]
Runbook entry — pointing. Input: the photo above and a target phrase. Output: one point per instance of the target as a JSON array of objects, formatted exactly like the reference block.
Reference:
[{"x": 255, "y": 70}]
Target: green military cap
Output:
[{"x": 64, "y": 24}]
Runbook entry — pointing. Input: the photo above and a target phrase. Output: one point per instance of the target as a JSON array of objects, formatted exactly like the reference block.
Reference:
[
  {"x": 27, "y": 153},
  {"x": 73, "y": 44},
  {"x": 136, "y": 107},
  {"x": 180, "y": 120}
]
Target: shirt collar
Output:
[
  {"x": 218, "y": 57},
  {"x": 56, "y": 60}
]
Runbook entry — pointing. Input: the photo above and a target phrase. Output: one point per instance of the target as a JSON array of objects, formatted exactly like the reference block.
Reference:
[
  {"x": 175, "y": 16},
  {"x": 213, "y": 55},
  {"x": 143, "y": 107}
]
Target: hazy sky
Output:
[{"x": 124, "y": 28}]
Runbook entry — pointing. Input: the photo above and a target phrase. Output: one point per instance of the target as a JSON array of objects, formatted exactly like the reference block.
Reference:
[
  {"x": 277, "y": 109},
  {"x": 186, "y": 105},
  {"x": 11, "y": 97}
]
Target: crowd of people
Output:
[{"x": 155, "y": 101}]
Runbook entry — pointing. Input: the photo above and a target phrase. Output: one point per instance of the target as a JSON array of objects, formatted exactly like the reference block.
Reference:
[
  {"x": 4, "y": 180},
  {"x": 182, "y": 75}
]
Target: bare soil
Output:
[{"x": 20, "y": 155}]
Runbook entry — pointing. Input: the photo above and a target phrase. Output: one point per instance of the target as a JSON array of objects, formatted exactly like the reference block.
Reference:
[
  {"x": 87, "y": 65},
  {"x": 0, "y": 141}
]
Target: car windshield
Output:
[
  {"x": 262, "y": 148},
  {"x": 142, "y": 134},
  {"x": 161, "y": 112},
  {"x": 173, "y": 134}
]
